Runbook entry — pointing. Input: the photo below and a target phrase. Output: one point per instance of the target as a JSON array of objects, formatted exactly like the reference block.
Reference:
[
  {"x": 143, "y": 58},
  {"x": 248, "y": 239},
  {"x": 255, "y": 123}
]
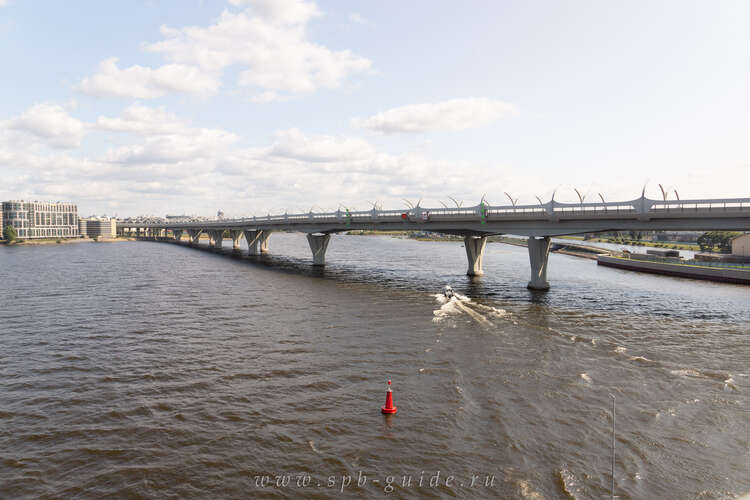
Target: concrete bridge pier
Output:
[
  {"x": 252, "y": 238},
  {"x": 177, "y": 233},
  {"x": 215, "y": 239},
  {"x": 263, "y": 241},
  {"x": 474, "y": 246},
  {"x": 257, "y": 241},
  {"x": 538, "y": 256},
  {"x": 236, "y": 237},
  {"x": 194, "y": 235},
  {"x": 318, "y": 245}
]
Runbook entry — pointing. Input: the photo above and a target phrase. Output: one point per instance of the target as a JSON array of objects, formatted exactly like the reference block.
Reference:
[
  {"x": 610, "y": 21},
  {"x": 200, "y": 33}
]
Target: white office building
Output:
[
  {"x": 40, "y": 219},
  {"x": 98, "y": 227}
]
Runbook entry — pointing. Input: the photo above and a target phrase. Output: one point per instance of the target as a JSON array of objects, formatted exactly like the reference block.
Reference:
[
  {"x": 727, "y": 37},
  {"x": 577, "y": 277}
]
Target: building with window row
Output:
[
  {"x": 98, "y": 227},
  {"x": 40, "y": 219}
]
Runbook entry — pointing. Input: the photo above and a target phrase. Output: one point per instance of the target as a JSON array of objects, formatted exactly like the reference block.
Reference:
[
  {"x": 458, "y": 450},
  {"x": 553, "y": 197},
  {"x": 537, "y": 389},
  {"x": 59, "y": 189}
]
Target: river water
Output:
[{"x": 144, "y": 369}]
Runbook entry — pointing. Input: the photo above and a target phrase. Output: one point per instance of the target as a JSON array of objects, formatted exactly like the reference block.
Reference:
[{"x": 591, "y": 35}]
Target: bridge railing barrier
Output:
[
  {"x": 697, "y": 206},
  {"x": 553, "y": 210}
]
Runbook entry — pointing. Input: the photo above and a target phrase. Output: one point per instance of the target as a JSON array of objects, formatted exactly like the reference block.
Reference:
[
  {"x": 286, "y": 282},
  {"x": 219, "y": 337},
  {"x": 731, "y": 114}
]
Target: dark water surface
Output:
[{"x": 143, "y": 369}]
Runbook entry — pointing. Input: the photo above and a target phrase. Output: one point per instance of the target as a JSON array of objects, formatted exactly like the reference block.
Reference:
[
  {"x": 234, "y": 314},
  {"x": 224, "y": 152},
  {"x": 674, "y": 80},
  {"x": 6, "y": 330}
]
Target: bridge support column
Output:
[
  {"x": 216, "y": 238},
  {"x": 474, "y": 246},
  {"x": 318, "y": 245},
  {"x": 195, "y": 236},
  {"x": 177, "y": 233},
  {"x": 252, "y": 241},
  {"x": 236, "y": 236},
  {"x": 538, "y": 256},
  {"x": 257, "y": 241},
  {"x": 263, "y": 240}
]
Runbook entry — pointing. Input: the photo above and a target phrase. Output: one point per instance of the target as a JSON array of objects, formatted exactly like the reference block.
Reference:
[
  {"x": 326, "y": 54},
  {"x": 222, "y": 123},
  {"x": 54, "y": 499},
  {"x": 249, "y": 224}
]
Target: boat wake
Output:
[{"x": 456, "y": 305}]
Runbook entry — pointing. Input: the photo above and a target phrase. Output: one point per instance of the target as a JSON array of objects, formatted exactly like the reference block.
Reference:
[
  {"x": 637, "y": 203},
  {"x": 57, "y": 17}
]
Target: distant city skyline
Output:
[{"x": 257, "y": 106}]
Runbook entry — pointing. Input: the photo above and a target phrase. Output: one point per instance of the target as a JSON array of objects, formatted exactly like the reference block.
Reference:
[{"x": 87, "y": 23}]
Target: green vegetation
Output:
[
  {"x": 377, "y": 233},
  {"x": 509, "y": 240},
  {"x": 721, "y": 239},
  {"x": 447, "y": 237},
  {"x": 9, "y": 233},
  {"x": 653, "y": 244}
]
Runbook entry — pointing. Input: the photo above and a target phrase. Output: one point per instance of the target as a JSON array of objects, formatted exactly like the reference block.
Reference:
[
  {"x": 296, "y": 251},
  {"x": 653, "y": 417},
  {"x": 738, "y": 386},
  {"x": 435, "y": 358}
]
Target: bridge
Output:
[{"x": 538, "y": 222}]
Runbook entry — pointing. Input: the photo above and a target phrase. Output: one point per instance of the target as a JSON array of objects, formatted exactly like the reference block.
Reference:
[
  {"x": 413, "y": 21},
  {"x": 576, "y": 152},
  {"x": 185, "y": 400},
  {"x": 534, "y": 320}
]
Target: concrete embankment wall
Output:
[{"x": 681, "y": 270}]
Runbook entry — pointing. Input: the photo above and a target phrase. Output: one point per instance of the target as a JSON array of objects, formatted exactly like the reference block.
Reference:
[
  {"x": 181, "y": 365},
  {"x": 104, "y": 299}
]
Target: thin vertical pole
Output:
[{"x": 612, "y": 492}]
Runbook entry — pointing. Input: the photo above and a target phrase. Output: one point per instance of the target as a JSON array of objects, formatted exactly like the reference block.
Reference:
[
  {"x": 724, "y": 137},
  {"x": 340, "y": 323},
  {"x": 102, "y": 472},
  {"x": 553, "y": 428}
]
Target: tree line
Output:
[{"x": 721, "y": 239}]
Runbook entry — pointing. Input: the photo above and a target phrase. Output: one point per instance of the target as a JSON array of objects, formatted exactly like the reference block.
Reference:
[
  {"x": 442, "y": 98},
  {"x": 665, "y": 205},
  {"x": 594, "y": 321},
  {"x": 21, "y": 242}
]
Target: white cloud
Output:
[
  {"x": 451, "y": 115},
  {"x": 185, "y": 169},
  {"x": 357, "y": 18},
  {"x": 161, "y": 163},
  {"x": 49, "y": 123},
  {"x": 174, "y": 166},
  {"x": 146, "y": 83},
  {"x": 267, "y": 41},
  {"x": 143, "y": 120},
  {"x": 172, "y": 148},
  {"x": 293, "y": 144},
  {"x": 282, "y": 11},
  {"x": 167, "y": 138}
]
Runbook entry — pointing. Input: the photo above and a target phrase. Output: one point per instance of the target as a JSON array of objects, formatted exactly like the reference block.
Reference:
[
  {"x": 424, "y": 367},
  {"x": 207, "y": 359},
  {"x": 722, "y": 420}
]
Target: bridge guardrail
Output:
[{"x": 642, "y": 207}]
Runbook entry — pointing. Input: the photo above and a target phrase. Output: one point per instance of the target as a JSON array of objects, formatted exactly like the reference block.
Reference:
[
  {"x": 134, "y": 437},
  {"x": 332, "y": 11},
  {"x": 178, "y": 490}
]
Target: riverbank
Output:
[
  {"x": 726, "y": 274},
  {"x": 583, "y": 251},
  {"x": 63, "y": 241},
  {"x": 638, "y": 243}
]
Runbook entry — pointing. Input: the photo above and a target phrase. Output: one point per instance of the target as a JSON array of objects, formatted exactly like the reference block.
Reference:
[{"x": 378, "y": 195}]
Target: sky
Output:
[{"x": 272, "y": 106}]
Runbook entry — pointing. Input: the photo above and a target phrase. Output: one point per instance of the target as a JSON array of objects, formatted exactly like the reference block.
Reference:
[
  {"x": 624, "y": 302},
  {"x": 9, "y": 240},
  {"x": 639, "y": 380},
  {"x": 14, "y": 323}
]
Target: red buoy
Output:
[{"x": 389, "y": 408}]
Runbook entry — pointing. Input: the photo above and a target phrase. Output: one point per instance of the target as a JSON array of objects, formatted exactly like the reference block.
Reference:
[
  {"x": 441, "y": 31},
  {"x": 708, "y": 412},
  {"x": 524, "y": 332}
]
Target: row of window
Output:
[
  {"x": 46, "y": 233},
  {"x": 44, "y": 207},
  {"x": 22, "y": 224},
  {"x": 25, "y": 215}
]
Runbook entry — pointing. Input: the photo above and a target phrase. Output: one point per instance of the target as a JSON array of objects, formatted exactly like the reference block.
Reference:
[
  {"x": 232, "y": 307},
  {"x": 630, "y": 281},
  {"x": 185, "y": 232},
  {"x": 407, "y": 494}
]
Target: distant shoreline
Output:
[{"x": 63, "y": 241}]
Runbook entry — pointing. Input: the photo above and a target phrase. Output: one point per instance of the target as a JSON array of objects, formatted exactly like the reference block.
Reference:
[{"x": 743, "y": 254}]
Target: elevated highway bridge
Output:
[{"x": 538, "y": 222}]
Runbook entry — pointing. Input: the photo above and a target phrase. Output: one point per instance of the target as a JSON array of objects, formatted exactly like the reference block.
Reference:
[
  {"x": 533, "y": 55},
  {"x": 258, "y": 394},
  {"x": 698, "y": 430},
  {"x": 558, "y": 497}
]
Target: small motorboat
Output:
[{"x": 448, "y": 292}]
